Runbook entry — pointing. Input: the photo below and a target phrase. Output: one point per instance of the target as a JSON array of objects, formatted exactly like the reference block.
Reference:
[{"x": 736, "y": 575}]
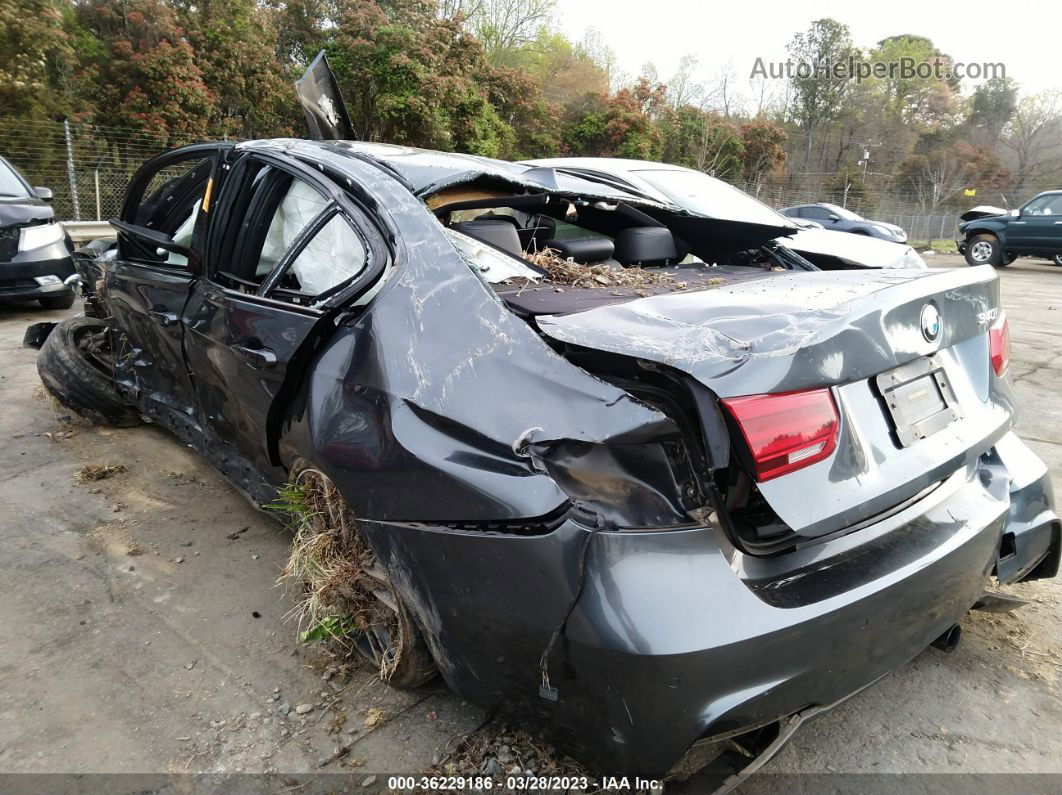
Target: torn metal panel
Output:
[
  {"x": 322, "y": 102},
  {"x": 434, "y": 383},
  {"x": 801, "y": 329},
  {"x": 982, "y": 211},
  {"x": 427, "y": 172}
]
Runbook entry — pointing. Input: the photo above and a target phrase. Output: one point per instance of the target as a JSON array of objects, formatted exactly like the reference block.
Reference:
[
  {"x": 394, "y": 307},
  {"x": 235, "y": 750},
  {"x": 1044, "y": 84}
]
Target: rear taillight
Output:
[
  {"x": 786, "y": 431},
  {"x": 999, "y": 345}
]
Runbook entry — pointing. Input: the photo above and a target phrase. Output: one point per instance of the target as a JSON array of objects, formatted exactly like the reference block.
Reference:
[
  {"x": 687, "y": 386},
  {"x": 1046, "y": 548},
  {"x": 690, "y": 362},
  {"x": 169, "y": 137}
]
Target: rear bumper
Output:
[
  {"x": 1032, "y": 538},
  {"x": 676, "y": 637},
  {"x": 18, "y": 278}
]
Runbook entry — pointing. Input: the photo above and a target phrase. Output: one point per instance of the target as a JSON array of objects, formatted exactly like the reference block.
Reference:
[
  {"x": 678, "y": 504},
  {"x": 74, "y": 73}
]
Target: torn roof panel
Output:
[{"x": 427, "y": 171}]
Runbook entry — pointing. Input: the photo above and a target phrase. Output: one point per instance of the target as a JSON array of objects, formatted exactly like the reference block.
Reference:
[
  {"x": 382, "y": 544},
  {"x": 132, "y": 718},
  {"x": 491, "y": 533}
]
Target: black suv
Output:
[
  {"x": 35, "y": 252},
  {"x": 997, "y": 239}
]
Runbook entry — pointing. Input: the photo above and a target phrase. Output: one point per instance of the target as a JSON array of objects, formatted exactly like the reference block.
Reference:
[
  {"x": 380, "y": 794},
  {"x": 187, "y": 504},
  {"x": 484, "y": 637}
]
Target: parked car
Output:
[
  {"x": 843, "y": 220},
  {"x": 994, "y": 236},
  {"x": 700, "y": 193},
  {"x": 35, "y": 252}
]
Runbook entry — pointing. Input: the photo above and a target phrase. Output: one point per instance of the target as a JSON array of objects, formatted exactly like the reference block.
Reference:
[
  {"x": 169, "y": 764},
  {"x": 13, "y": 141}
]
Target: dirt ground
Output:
[{"x": 141, "y": 629}]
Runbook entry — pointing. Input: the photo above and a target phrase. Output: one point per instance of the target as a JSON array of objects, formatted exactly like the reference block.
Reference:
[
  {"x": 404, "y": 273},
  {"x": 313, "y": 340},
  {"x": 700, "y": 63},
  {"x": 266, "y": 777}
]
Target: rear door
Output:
[
  {"x": 292, "y": 253},
  {"x": 145, "y": 287}
]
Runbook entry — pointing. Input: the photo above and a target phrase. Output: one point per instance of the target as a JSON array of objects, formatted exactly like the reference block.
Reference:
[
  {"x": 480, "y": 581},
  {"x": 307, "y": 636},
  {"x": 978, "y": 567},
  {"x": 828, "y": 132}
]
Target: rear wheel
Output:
[
  {"x": 77, "y": 367},
  {"x": 1057, "y": 259},
  {"x": 985, "y": 250},
  {"x": 57, "y": 302},
  {"x": 346, "y": 582}
]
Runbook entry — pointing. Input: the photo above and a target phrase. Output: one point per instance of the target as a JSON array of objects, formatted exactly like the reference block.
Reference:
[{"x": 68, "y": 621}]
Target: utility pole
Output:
[
  {"x": 70, "y": 169},
  {"x": 865, "y": 162}
]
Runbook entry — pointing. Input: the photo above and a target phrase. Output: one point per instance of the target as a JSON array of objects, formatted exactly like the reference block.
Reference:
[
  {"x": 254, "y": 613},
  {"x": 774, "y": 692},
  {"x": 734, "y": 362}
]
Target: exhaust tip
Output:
[{"x": 949, "y": 641}]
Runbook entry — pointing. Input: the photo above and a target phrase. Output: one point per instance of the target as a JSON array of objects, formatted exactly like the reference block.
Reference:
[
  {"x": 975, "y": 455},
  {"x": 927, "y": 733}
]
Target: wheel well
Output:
[{"x": 972, "y": 233}]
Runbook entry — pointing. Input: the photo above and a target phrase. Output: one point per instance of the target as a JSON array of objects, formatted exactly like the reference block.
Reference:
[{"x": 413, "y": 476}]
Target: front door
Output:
[
  {"x": 287, "y": 245},
  {"x": 145, "y": 288}
]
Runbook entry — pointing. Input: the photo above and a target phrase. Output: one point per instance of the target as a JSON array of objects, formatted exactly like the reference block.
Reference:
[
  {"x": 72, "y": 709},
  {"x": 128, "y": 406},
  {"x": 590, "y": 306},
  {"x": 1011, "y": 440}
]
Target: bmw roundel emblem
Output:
[{"x": 930, "y": 323}]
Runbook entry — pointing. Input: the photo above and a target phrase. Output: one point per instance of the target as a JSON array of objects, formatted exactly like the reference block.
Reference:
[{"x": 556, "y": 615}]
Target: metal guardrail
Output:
[{"x": 84, "y": 231}]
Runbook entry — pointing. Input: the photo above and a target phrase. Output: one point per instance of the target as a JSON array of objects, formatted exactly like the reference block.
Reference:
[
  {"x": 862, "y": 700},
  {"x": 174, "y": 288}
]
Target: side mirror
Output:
[
  {"x": 44, "y": 194},
  {"x": 156, "y": 239},
  {"x": 834, "y": 218},
  {"x": 1015, "y": 212}
]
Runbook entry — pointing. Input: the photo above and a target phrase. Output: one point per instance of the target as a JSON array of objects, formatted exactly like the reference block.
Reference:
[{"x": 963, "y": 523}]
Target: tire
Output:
[
  {"x": 387, "y": 637},
  {"x": 58, "y": 302},
  {"x": 1056, "y": 259},
  {"x": 76, "y": 367},
  {"x": 985, "y": 250}
]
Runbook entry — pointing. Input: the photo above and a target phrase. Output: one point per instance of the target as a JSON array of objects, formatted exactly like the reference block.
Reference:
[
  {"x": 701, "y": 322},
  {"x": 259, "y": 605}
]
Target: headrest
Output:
[
  {"x": 583, "y": 249},
  {"x": 493, "y": 216},
  {"x": 646, "y": 245},
  {"x": 500, "y": 234}
]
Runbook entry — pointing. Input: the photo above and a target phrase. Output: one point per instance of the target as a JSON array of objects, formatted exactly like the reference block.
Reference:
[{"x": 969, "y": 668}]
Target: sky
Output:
[{"x": 1024, "y": 37}]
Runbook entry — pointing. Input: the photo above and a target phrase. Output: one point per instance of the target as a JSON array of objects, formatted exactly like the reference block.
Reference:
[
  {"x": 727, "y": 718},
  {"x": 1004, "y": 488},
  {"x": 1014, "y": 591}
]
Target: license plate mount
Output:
[{"x": 919, "y": 399}]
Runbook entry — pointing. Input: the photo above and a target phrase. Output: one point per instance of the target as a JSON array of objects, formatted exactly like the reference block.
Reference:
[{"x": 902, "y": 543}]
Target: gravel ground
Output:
[{"x": 141, "y": 629}]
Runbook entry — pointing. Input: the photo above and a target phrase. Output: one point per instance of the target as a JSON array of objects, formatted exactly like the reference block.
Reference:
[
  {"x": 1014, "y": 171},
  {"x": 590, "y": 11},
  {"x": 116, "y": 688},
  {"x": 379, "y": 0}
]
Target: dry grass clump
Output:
[
  {"x": 98, "y": 472},
  {"x": 340, "y": 590},
  {"x": 573, "y": 274}
]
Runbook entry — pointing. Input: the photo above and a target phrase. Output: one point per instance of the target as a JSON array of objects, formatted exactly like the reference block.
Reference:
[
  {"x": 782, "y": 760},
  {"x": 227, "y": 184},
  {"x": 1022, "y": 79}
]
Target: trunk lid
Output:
[{"x": 841, "y": 330}]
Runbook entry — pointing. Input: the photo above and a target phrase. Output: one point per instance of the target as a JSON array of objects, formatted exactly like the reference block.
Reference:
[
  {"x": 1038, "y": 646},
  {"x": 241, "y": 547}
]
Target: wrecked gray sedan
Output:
[{"x": 645, "y": 478}]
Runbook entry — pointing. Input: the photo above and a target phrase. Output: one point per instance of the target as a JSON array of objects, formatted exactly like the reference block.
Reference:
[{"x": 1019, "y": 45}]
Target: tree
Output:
[
  {"x": 36, "y": 87},
  {"x": 38, "y": 58},
  {"x": 938, "y": 175},
  {"x": 703, "y": 140},
  {"x": 818, "y": 95},
  {"x": 722, "y": 94},
  {"x": 421, "y": 81},
  {"x": 1034, "y": 136},
  {"x": 763, "y": 149},
  {"x": 564, "y": 72},
  {"x": 617, "y": 125},
  {"x": 504, "y": 27},
  {"x": 531, "y": 116},
  {"x": 304, "y": 26},
  {"x": 928, "y": 101},
  {"x": 591, "y": 48},
  {"x": 993, "y": 105},
  {"x": 146, "y": 71},
  {"x": 234, "y": 43},
  {"x": 681, "y": 88}
]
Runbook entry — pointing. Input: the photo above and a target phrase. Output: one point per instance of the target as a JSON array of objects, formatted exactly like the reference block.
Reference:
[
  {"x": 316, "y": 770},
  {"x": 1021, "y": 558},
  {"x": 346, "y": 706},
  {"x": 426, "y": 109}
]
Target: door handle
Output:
[
  {"x": 260, "y": 358},
  {"x": 164, "y": 319}
]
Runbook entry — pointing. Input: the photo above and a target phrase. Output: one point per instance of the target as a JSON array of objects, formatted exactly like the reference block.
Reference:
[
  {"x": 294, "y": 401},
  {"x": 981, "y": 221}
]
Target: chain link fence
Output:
[{"x": 88, "y": 167}]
